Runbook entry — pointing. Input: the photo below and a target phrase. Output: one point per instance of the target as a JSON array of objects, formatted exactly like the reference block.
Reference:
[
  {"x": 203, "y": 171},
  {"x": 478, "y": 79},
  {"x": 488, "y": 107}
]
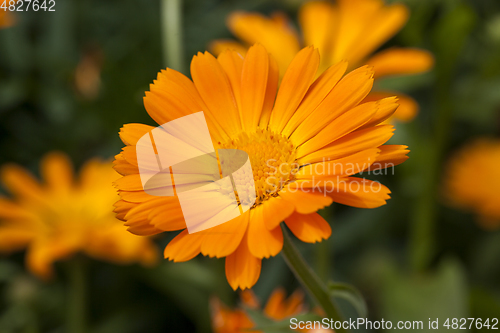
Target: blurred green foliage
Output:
[{"x": 41, "y": 109}]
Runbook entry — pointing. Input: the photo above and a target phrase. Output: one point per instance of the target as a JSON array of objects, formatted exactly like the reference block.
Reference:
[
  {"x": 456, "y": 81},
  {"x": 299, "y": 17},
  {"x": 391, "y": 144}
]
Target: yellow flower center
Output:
[{"x": 272, "y": 157}]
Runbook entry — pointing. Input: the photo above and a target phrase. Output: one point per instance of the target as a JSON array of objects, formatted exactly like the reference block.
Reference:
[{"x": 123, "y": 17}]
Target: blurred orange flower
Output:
[
  {"x": 348, "y": 30},
  {"x": 6, "y": 19},
  {"x": 61, "y": 216},
  {"x": 278, "y": 307},
  {"x": 301, "y": 139},
  {"x": 472, "y": 180}
]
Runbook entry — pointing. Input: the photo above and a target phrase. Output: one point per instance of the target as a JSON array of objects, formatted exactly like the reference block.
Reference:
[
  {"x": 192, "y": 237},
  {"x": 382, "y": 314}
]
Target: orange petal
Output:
[
  {"x": 320, "y": 88},
  {"x": 407, "y": 108},
  {"x": 276, "y": 36},
  {"x": 296, "y": 81},
  {"x": 122, "y": 207},
  {"x": 123, "y": 167},
  {"x": 184, "y": 247},
  {"x": 167, "y": 215},
  {"x": 360, "y": 192},
  {"x": 275, "y": 306},
  {"x": 351, "y": 143},
  {"x": 14, "y": 238},
  {"x": 385, "y": 109},
  {"x": 137, "y": 218},
  {"x": 232, "y": 63},
  {"x": 390, "y": 156},
  {"x": 363, "y": 26},
  {"x": 176, "y": 93},
  {"x": 242, "y": 268},
  {"x": 342, "y": 125},
  {"x": 271, "y": 89},
  {"x": 254, "y": 78},
  {"x": 19, "y": 182},
  {"x": 400, "y": 61},
  {"x": 309, "y": 228},
  {"x": 222, "y": 240},
  {"x": 218, "y": 46},
  {"x": 274, "y": 211},
  {"x": 318, "y": 22},
  {"x": 57, "y": 171},
  {"x": 263, "y": 243},
  {"x": 215, "y": 89},
  {"x": 131, "y": 133},
  {"x": 348, "y": 93},
  {"x": 305, "y": 202},
  {"x": 348, "y": 165}
]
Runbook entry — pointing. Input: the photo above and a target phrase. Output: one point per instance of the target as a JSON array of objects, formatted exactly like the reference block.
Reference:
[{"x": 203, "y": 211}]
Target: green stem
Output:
[
  {"x": 171, "y": 22},
  {"x": 323, "y": 258},
  {"x": 77, "y": 307},
  {"x": 309, "y": 279}
]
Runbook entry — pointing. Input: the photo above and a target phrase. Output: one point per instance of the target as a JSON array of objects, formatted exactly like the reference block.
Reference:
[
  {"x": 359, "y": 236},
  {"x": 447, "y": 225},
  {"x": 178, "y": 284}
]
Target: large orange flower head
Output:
[
  {"x": 62, "y": 216},
  {"x": 472, "y": 181},
  {"x": 348, "y": 30},
  {"x": 305, "y": 141}
]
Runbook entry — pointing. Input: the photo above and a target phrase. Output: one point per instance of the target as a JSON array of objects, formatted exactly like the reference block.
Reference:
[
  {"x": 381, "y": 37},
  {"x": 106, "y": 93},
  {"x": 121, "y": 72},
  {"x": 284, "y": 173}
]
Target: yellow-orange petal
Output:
[
  {"x": 296, "y": 81},
  {"x": 351, "y": 143},
  {"x": 349, "y": 165},
  {"x": 131, "y": 133},
  {"x": 348, "y": 93},
  {"x": 390, "y": 156},
  {"x": 274, "y": 211},
  {"x": 317, "y": 92},
  {"x": 14, "y": 238},
  {"x": 305, "y": 202},
  {"x": 275, "y": 306},
  {"x": 370, "y": 21},
  {"x": 318, "y": 22},
  {"x": 309, "y": 228},
  {"x": 342, "y": 125},
  {"x": 57, "y": 171},
  {"x": 401, "y": 61},
  {"x": 407, "y": 108},
  {"x": 242, "y": 268},
  {"x": 295, "y": 303},
  {"x": 184, "y": 247},
  {"x": 386, "y": 108},
  {"x": 122, "y": 207},
  {"x": 276, "y": 36},
  {"x": 19, "y": 182},
  {"x": 232, "y": 63},
  {"x": 263, "y": 243},
  {"x": 215, "y": 89},
  {"x": 254, "y": 78},
  {"x": 137, "y": 218},
  {"x": 360, "y": 192},
  {"x": 123, "y": 167},
  {"x": 167, "y": 215},
  {"x": 218, "y": 46},
  {"x": 224, "y": 239},
  {"x": 271, "y": 89}
]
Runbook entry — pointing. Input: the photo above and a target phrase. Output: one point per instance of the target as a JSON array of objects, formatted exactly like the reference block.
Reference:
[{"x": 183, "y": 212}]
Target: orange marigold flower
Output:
[
  {"x": 278, "y": 307},
  {"x": 472, "y": 180},
  {"x": 315, "y": 133},
  {"x": 61, "y": 216},
  {"x": 348, "y": 30}
]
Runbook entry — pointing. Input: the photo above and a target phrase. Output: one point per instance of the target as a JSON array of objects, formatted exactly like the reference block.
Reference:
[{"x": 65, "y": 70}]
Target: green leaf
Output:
[{"x": 350, "y": 294}]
